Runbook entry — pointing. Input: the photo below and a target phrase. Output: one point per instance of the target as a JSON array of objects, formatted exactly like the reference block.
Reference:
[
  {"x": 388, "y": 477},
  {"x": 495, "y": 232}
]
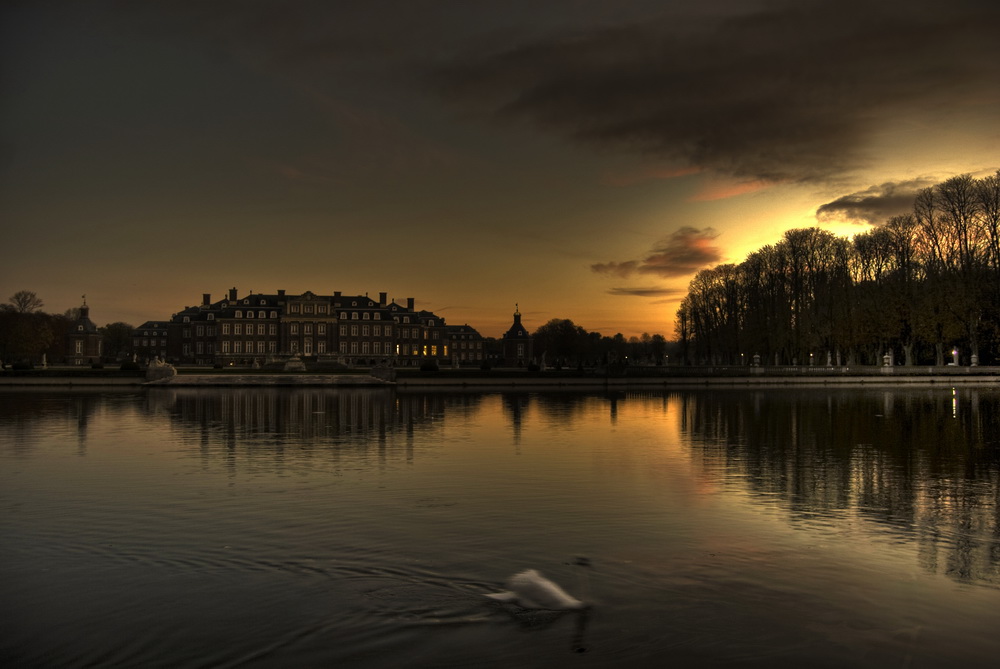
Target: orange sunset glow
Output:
[{"x": 581, "y": 159}]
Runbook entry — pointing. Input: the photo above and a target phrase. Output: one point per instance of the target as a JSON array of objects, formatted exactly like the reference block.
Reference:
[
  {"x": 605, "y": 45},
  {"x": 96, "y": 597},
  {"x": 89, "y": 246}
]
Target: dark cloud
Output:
[
  {"x": 684, "y": 252},
  {"x": 792, "y": 91},
  {"x": 875, "y": 204},
  {"x": 649, "y": 292}
]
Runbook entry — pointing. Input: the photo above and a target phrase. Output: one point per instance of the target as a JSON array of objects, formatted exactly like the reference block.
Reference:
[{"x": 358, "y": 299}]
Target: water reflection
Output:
[
  {"x": 920, "y": 465},
  {"x": 923, "y": 464}
]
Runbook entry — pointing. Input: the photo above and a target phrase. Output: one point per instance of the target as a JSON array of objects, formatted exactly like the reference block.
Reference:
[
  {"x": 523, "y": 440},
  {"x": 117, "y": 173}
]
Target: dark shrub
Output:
[
  {"x": 429, "y": 366},
  {"x": 22, "y": 365},
  {"x": 97, "y": 365},
  {"x": 533, "y": 367},
  {"x": 130, "y": 366}
]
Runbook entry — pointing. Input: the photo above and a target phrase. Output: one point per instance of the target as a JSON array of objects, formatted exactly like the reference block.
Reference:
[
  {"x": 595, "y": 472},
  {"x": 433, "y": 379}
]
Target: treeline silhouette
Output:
[{"x": 918, "y": 287}]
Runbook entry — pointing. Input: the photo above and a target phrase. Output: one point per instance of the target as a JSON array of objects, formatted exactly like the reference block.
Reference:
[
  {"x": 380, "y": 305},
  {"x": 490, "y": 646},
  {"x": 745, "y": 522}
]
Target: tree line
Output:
[
  {"x": 562, "y": 343},
  {"x": 920, "y": 288},
  {"x": 27, "y": 333}
]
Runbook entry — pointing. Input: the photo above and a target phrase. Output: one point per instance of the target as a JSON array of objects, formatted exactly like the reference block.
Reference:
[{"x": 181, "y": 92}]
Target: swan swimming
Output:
[{"x": 531, "y": 590}]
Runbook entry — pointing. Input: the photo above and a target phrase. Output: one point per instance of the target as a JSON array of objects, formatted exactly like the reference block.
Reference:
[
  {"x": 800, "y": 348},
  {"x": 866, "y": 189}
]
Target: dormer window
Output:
[
  {"x": 80, "y": 328},
  {"x": 366, "y": 315},
  {"x": 211, "y": 317},
  {"x": 239, "y": 314},
  {"x": 249, "y": 314},
  {"x": 274, "y": 314},
  {"x": 263, "y": 302},
  {"x": 246, "y": 301}
]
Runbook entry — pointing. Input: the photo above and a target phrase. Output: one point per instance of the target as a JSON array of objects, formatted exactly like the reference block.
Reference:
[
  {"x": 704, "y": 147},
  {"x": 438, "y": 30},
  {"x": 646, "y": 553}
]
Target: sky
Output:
[{"x": 580, "y": 159}]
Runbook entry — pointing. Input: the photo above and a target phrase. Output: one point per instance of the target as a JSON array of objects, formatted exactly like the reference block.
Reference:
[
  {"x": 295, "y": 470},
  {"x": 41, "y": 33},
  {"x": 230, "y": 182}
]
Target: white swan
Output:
[{"x": 531, "y": 590}]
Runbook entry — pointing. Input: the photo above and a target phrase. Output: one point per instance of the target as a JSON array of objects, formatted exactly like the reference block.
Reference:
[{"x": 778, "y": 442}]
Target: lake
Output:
[{"x": 362, "y": 528}]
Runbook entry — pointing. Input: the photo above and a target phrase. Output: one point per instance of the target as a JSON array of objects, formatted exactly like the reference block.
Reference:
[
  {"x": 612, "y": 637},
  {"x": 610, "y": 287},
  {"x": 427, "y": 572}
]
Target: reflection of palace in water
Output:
[
  {"x": 360, "y": 417},
  {"x": 921, "y": 463}
]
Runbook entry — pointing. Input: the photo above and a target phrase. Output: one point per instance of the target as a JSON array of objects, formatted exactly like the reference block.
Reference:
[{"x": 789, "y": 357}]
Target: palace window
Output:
[
  {"x": 225, "y": 346},
  {"x": 249, "y": 314},
  {"x": 211, "y": 317},
  {"x": 272, "y": 347},
  {"x": 307, "y": 328},
  {"x": 239, "y": 314},
  {"x": 354, "y": 347},
  {"x": 261, "y": 314},
  {"x": 272, "y": 329},
  {"x": 378, "y": 316},
  {"x": 343, "y": 330},
  {"x": 321, "y": 328},
  {"x": 238, "y": 329},
  {"x": 274, "y": 314},
  {"x": 343, "y": 347},
  {"x": 366, "y": 315},
  {"x": 321, "y": 347},
  {"x": 237, "y": 346},
  {"x": 377, "y": 330},
  {"x": 354, "y": 330},
  {"x": 364, "y": 331},
  {"x": 260, "y": 329},
  {"x": 260, "y": 347},
  {"x": 293, "y": 328}
]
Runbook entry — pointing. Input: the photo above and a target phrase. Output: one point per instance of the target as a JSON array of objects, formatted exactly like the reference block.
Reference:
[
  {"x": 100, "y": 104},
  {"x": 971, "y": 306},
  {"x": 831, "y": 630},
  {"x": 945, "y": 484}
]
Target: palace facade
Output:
[{"x": 353, "y": 330}]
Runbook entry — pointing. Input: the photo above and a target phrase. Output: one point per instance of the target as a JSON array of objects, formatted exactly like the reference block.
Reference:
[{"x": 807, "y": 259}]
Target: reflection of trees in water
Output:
[
  {"x": 29, "y": 415},
  {"x": 924, "y": 463}
]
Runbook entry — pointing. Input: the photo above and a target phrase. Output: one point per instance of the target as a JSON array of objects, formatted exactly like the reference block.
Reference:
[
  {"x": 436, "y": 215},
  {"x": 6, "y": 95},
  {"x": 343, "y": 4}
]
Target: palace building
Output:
[{"x": 352, "y": 330}]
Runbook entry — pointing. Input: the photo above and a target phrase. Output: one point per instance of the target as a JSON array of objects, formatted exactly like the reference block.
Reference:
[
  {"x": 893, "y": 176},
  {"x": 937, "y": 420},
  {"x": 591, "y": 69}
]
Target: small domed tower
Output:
[
  {"x": 516, "y": 343},
  {"x": 83, "y": 341}
]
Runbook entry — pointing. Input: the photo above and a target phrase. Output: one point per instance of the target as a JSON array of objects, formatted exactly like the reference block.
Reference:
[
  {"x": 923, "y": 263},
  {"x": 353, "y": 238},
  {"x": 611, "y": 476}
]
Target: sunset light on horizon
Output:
[{"x": 579, "y": 158}]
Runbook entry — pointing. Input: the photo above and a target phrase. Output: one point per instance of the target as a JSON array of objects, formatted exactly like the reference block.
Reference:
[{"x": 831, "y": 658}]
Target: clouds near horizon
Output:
[{"x": 684, "y": 252}]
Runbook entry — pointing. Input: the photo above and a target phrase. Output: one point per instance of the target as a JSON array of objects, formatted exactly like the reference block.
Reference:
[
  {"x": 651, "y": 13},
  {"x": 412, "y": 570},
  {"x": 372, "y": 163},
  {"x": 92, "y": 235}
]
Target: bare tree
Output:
[{"x": 26, "y": 302}]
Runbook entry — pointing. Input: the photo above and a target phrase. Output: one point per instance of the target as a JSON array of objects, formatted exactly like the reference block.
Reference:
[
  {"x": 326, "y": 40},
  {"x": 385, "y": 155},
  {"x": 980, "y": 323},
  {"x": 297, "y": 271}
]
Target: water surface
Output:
[{"x": 361, "y": 528}]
